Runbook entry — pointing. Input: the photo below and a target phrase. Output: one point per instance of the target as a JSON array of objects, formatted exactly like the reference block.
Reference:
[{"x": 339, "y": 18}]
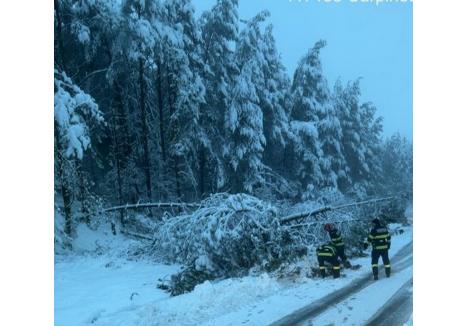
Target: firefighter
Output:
[
  {"x": 380, "y": 239},
  {"x": 337, "y": 241},
  {"x": 327, "y": 254}
]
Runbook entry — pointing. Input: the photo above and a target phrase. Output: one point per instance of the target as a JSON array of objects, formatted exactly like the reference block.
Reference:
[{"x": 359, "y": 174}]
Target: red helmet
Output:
[{"x": 328, "y": 227}]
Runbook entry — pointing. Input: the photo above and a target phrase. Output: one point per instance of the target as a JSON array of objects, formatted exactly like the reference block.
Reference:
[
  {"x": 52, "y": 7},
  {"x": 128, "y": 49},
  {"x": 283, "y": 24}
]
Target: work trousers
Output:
[
  {"x": 331, "y": 260},
  {"x": 376, "y": 254}
]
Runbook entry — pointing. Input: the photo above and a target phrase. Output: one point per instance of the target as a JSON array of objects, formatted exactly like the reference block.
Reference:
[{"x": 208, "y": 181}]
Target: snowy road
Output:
[
  {"x": 373, "y": 295},
  {"x": 397, "y": 310}
]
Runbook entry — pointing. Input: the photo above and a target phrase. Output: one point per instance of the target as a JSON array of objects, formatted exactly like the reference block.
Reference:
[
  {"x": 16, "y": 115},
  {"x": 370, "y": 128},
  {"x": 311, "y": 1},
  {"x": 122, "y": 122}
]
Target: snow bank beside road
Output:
[
  {"x": 91, "y": 284},
  {"x": 88, "y": 287},
  {"x": 207, "y": 301}
]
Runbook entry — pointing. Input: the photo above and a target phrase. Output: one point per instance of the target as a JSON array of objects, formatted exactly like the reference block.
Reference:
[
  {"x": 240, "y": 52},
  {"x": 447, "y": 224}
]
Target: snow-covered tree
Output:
[
  {"x": 186, "y": 95},
  {"x": 244, "y": 120},
  {"x": 273, "y": 96},
  {"x": 310, "y": 97},
  {"x": 361, "y": 137},
  {"x": 140, "y": 39},
  {"x": 397, "y": 164},
  {"x": 219, "y": 35},
  {"x": 75, "y": 112}
]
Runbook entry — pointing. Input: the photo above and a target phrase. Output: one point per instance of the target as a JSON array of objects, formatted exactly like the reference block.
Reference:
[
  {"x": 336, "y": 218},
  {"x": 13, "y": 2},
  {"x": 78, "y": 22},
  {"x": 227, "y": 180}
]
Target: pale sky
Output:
[{"x": 365, "y": 40}]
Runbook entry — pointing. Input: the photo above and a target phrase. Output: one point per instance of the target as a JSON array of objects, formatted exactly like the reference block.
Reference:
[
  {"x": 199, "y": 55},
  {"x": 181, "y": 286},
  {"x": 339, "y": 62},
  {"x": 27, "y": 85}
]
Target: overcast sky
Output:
[{"x": 364, "y": 40}]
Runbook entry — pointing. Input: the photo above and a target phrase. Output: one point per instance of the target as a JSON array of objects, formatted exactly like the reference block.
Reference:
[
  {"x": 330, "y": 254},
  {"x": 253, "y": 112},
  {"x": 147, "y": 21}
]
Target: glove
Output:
[
  {"x": 366, "y": 245},
  {"x": 389, "y": 245}
]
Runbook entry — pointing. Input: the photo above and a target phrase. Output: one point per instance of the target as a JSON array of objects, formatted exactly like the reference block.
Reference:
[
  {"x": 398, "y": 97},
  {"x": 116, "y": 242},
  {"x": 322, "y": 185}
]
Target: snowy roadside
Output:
[
  {"x": 251, "y": 300},
  {"x": 93, "y": 283}
]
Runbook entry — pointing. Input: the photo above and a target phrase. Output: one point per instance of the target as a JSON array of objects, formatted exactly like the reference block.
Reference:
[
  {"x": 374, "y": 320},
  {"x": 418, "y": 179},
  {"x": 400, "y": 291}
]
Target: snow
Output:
[
  {"x": 358, "y": 308},
  {"x": 99, "y": 289},
  {"x": 71, "y": 107},
  {"x": 87, "y": 288},
  {"x": 409, "y": 322},
  {"x": 90, "y": 284},
  {"x": 208, "y": 300},
  {"x": 304, "y": 291}
]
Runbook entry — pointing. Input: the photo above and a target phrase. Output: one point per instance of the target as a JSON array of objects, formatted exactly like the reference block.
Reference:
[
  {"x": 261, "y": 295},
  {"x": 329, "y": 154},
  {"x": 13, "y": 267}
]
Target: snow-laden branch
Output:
[
  {"x": 73, "y": 111},
  {"x": 298, "y": 216},
  {"x": 152, "y": 205}
]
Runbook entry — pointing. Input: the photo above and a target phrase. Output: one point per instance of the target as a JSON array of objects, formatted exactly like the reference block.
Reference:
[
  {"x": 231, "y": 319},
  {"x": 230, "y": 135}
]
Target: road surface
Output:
[
  {"x": 401, "y": 261},
  {"x": 397, "y": 310}
]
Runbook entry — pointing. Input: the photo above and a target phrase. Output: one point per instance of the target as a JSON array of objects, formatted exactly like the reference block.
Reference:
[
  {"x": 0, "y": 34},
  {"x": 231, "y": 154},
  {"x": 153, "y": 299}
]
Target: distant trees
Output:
[
  {"x": 397, "y": 165},
  {"x": 178, "y": 108}
]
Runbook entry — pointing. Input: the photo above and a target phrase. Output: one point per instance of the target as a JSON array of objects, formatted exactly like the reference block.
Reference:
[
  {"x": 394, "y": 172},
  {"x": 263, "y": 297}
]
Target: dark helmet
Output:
[
  {"x": 328, "y": 227},
  {"x": 376, "y": 222}
]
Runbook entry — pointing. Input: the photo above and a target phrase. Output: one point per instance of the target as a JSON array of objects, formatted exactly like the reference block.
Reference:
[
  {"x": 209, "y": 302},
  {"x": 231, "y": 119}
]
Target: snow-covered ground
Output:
[
  {"x": 109, "y": 289},
  {"x": 100, "y": 281}
]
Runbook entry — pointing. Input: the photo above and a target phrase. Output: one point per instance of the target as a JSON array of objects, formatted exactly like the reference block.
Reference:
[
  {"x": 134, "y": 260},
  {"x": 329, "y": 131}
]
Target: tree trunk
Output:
[
  {"x": 176, "y": 174},
  {"x": 82, "y": 191},
  {"x": 117, "y": 153},
  {"x": 59, "y": 36},
  {"x": 161, "y": 111},
  {"x": 65, "y": 191},
  {"x": 202, "y": 164},
  {"x": 146, "y": 157}
]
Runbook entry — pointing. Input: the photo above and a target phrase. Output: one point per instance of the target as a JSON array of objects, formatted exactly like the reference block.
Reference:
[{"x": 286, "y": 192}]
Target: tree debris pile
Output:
[{"x": 227, "y": 237}]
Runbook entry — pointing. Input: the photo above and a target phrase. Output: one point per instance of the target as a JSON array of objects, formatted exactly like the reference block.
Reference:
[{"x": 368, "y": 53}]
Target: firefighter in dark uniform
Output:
[
  {"x": 380, "y": 239},
  {"x": 337, "y": 240},
  {"x": 327, "y": 254}
]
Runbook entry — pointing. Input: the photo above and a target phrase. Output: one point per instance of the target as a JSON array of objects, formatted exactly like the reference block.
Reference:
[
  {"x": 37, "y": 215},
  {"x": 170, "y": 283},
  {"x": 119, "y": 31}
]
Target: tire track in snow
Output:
[
  {"x": 397, "y": 310},
  {"x": 401, "y": 260}
]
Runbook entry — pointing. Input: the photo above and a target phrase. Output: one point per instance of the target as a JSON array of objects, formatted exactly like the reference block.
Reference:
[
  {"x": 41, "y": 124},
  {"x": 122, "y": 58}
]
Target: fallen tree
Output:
[
  {"x": 226, "y": 237},
  {"x": 231, "y": 234}
]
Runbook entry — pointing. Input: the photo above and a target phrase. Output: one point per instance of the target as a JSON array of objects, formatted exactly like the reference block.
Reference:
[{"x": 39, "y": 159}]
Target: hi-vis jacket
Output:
[
  {"x": 336, "y": 238},
  {"x": 326, "y": 251},
  {"x": 380, "y": 238}
]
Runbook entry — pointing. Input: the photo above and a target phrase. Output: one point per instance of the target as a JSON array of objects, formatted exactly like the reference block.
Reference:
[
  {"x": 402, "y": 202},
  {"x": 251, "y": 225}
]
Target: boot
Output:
[
  {"x": 336, "y": 271},
  {"x": 322, "y": 273},
  {"x": 376, "y": 277},
  {"x": 387, "y": 271}
]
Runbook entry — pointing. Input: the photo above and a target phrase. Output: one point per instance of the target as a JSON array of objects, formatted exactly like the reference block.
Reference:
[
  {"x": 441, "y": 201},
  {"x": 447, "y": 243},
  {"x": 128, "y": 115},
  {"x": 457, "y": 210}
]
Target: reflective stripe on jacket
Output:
[
  {"x": 326, "y": 251},
  {"x": 380, "y": 238}
]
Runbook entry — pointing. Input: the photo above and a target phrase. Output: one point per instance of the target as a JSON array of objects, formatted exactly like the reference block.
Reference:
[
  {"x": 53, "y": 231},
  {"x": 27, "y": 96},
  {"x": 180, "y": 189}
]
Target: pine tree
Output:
[
  {"x": 187, "y": 93},
  {"x": 141, "y": 37},
  {"x": 397, "y": 165},
  {"x": 273, "y": 94},
  {"x": 219, "y": 34},
  {"x": 244, "y": 121},
  {"x": 310, "y": 96},
  {"x": 361, "y": 137},
  {"x": 75, "y": 112}
]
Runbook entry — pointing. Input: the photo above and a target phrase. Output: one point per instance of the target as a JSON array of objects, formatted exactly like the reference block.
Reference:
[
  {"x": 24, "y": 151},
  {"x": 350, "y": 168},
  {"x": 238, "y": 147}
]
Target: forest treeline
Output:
[{"x": 153, "y": 103}]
